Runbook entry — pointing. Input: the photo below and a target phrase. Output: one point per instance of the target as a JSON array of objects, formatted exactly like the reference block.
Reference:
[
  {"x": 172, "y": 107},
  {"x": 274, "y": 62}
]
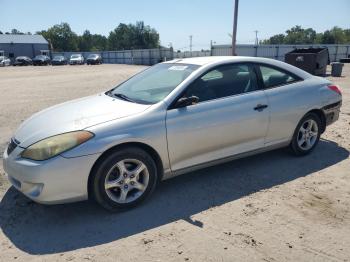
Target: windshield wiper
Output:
[{"x": 124, "y": 97}]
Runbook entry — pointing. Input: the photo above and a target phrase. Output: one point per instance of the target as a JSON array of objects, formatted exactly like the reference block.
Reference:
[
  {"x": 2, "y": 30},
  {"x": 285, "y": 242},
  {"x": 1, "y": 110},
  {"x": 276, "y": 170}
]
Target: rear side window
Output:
[
  {"x": 273, "y": 77},
  {"x": 224, "y": 81}
]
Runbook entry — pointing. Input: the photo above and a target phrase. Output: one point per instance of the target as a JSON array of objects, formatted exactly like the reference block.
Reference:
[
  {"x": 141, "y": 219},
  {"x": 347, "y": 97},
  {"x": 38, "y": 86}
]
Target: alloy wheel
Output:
[
  {"x": 307, "y": 135},
  {"x": 126, "y": 181}
]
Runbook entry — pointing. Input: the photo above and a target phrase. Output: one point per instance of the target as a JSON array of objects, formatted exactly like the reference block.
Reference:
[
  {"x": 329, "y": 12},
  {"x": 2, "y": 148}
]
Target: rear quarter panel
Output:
[{"x": 288, "y": 104}]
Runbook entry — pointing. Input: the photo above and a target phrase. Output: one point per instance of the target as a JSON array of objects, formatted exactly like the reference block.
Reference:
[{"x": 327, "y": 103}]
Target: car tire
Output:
[
  {"x": 115, "y": 184},
  {"x": 306, "y": 135}
]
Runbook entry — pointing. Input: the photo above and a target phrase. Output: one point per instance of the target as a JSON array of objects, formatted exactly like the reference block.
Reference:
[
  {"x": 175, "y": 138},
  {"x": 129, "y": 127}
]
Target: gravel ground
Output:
[{"x": 269, "y": 207}]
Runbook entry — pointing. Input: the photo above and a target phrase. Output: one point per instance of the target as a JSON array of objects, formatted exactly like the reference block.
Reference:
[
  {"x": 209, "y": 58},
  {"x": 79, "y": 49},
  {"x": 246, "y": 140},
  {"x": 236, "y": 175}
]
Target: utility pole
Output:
[
  {"x": 256, "y": 37},
  {"x": 191, "y": 37},
  {"x": 234, "y": 34},
  {"x": 211, "y": 47}
]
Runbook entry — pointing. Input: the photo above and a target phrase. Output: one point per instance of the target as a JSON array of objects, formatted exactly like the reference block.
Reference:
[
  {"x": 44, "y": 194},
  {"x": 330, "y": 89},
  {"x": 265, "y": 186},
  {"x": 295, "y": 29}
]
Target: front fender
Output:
[{"x": 148, "y": 129}]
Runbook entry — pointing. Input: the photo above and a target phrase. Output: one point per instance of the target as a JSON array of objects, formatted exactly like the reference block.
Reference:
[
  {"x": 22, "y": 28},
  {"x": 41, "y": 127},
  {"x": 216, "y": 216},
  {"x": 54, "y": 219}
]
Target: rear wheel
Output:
[
  {"x": 306, "y": 135},
  {"x": 124, "y": 179}
]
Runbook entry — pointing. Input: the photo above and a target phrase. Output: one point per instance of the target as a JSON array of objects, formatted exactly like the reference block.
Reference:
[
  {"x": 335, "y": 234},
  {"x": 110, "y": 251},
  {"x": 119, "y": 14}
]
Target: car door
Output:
[
  {"x": 287, "y": 102},
  {"x": 230, "y": 118}
]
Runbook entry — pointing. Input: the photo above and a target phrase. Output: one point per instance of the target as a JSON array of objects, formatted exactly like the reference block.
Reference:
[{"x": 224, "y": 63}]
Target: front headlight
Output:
[{"x": 56, "y": 145}]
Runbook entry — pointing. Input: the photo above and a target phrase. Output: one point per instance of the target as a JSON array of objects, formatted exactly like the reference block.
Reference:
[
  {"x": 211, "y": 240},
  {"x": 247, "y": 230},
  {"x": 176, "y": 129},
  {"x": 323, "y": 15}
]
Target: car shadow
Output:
[{"x": 39, "y": 229}]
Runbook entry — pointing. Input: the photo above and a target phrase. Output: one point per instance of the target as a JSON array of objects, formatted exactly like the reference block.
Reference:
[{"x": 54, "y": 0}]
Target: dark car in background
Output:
[
  {"x": 94, "y": 59},
  {"x": 41, "y": 60},
  {"x": 22, "y": 61},
  {"x": 59, "y": 60}
]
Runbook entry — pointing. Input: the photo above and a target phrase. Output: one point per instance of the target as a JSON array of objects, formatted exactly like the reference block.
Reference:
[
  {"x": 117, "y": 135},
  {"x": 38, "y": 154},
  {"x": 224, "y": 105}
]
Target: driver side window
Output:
[{"x": 224, "y": 81}]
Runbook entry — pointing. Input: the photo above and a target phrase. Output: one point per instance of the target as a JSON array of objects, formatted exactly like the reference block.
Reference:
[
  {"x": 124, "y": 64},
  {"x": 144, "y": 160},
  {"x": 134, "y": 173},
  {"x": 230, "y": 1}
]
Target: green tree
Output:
[
  {"x": 85, "y": 41},
  {"x": 16, "y": 32},
  {"x": 274, "y": 40},
  {"x": 299, "y": 35},
  {"x": 138, "y": 36},
  {"x": 334, "y": 36},
  {"x": 99, "y": 43},
  {"x": 90, "y": 42},
  {"x": 61, "y": 37}
]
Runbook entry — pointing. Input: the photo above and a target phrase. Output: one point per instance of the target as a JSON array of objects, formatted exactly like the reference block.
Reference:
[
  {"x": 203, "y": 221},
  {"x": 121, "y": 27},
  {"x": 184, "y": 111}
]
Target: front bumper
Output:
[
  {"x": 58, "y": 63},
  {"x": 54, "y": 181},
  {"x": 93, "y": 62},
  {"x": 76, "y": 62}
]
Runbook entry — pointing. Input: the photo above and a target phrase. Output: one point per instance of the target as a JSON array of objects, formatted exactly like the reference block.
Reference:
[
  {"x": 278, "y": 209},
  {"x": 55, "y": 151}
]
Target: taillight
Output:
[{"x": 335, "y": 89}]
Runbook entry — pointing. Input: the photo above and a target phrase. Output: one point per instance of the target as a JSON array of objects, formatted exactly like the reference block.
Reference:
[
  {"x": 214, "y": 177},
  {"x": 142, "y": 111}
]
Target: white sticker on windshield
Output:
[{"x": 178, "y": 68}]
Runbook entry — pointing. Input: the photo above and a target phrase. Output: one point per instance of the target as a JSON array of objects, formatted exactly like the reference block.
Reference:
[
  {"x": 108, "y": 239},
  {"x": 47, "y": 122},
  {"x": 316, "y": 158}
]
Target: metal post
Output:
[
  {"x": 191, "y": 37},
  {"x": 149, "y": 57},
  {"x": 234, "y": 34},
  {"x": 336, "y": 53},
  {"x": 256, "y": 37},
  {"x": 277, "y": 52}
]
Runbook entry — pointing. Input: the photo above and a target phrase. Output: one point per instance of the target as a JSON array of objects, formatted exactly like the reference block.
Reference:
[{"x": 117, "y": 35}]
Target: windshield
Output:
[
  {"x": 154, "y": 84},
  {"x": 92, "y": 56},
  {"x": 58, "y": 58},
  {"x": 75, "y": 56},
  {"x": 40, "y": 57}
]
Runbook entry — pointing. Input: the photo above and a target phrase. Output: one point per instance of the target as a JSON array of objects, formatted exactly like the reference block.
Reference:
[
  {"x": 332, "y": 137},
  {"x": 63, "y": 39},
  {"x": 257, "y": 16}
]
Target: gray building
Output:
[{"x": 23, "y": 45}]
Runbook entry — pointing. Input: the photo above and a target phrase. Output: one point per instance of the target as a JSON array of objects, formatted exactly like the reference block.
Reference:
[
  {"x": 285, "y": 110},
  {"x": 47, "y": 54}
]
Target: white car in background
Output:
[
  {"x": 4, "y": 61},
  {"x": 76, "y": 59}
]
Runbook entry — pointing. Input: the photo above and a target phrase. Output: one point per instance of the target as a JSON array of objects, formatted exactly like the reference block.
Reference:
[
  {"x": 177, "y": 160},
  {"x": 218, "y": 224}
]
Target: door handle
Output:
[{"x": 260, "y": 107}]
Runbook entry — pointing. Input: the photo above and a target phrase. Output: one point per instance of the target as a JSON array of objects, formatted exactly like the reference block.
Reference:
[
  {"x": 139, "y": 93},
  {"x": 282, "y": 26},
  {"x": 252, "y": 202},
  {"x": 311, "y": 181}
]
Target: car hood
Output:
[{"x": 74, "y": 115}]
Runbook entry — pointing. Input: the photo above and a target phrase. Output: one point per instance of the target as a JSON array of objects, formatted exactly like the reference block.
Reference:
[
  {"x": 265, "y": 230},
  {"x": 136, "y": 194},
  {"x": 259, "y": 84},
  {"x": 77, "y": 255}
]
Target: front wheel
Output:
[
  {"x": 124, "y": 179},
  {"x": 306, "y": 135}
]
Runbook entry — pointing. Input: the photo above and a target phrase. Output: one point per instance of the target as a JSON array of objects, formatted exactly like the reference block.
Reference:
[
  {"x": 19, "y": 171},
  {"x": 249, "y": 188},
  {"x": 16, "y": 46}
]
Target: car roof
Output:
[{"x": 218, "y": 60}]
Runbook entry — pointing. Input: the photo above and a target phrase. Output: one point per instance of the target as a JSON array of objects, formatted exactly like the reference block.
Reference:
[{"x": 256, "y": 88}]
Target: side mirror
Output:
[{"x": 186, "y": 101}]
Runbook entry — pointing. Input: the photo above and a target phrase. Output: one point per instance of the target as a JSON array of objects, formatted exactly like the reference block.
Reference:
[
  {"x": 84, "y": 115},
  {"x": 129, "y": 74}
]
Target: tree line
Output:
[
  {"x": 141, "y": 36},
  {"x": 298, "y": 35},
  {"x": 124, "y": 36}
]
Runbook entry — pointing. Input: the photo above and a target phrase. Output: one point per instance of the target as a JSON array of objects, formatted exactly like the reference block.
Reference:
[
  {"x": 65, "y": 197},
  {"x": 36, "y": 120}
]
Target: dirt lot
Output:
[{"x": 270, "y": 207}]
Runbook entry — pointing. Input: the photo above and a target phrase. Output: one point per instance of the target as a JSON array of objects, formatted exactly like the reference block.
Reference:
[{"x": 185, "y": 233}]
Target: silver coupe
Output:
[{"x": 170, "y": 119}]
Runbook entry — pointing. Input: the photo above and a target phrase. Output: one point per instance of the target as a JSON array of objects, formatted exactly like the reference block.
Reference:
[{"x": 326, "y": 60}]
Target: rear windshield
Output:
[{"x": 154, "y": 84}]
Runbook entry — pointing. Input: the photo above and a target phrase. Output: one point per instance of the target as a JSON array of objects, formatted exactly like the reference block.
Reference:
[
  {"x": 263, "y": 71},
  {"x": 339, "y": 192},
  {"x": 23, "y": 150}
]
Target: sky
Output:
[{"x": 176, "y": 20}]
